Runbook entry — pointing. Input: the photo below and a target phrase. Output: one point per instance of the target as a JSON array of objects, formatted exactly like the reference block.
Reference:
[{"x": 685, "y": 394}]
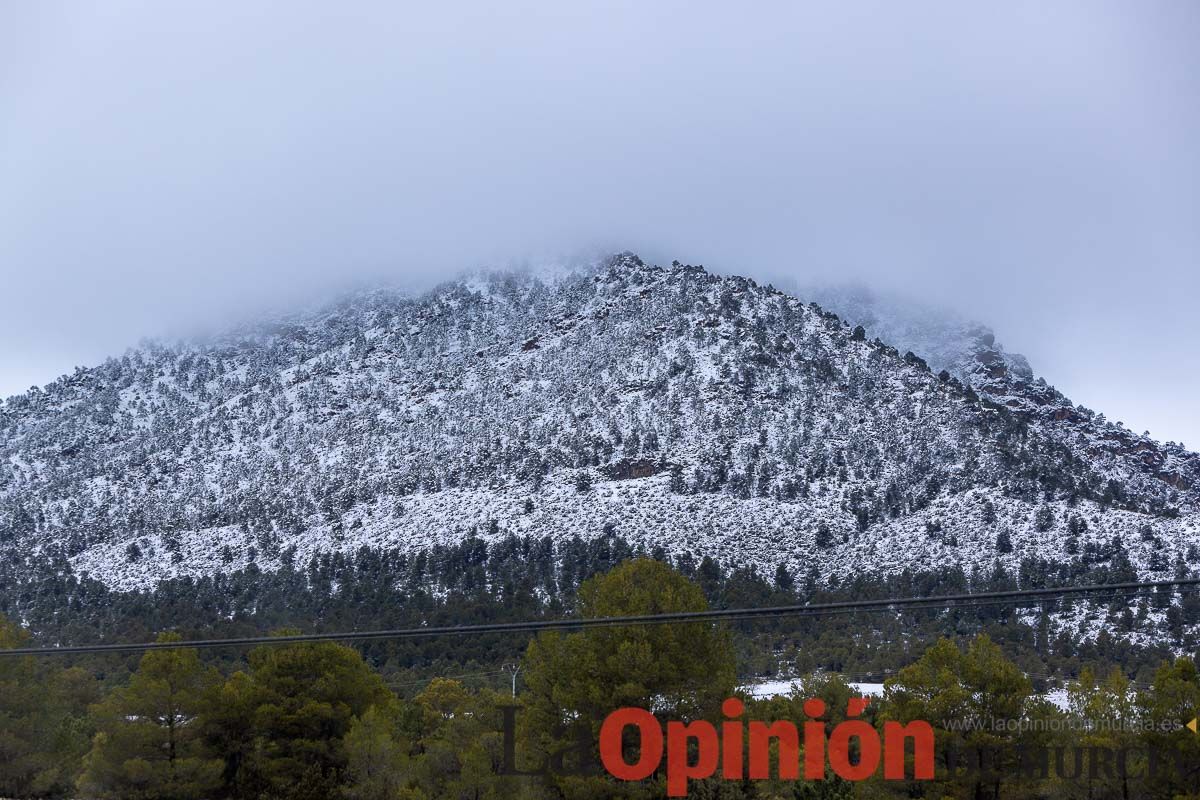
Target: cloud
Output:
[{"x": 168, "y": 165}]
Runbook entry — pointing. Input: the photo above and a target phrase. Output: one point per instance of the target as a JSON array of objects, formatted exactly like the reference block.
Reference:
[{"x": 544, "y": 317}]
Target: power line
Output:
[{"x": 966, "y": 600}]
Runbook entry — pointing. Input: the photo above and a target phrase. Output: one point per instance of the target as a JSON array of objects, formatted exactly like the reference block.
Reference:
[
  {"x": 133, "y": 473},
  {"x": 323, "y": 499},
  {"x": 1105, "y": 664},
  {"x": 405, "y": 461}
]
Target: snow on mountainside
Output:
[
  {"x": 674, "y": 407},
  {"x": 967, "y": 350}
]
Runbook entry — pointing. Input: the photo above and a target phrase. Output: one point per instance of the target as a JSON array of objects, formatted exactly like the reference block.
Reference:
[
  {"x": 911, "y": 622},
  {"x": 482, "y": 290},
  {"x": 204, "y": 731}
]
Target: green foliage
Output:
[
  {"x": 833, "y": 690},
  {"x": 148, "y": 744},
  {"x": 1104, "y": 713},
  {"x": 685, "y": 668},
  {"x": 1173, "y": 700},
  {"x": 976, "y": 685},
  {"x": 1043, "y": 519},
  {"x": 461, "y": 747},
  {"x": 287, "y": 717},
  {"x": 1004, "y": 542},
  {"x": 576, "y": 680},
  {"x": 318, "y": 721},
  {"x": 378, "y": 765},
  {"x": 524, "y": 578},
  {"x": 43, "y": 725}
]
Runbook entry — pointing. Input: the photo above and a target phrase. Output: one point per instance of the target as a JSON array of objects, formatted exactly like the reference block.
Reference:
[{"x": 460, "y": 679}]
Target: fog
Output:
[{"x": 167, "y": 167}]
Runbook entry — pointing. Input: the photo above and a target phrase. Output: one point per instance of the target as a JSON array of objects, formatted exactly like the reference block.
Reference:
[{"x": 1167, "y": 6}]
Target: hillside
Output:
[
  {"x": 670, "y": 406},
  {"x": 966, "y": 349}
]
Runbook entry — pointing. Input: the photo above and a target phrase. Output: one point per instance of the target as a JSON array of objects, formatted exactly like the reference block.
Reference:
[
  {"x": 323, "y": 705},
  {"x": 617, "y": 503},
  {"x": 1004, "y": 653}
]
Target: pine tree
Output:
[
  {"x": 1004, "y": 542},
  {"x": 784, "y": 581},
  {"x": 948, "y": 683},
  {"x": 680, "y": 670},
  {"x": 148, "y": 743},
  {"x": 460, "y": 747},
  {"x": 43, "y": 725},
  {"x": 1043, "y": 519},
  {"x": 378, "y": 766},
  {"x": 1112, "y": 702},
  {"x": 304, "y": 699},
  {"x": 1176, "y": 693}
]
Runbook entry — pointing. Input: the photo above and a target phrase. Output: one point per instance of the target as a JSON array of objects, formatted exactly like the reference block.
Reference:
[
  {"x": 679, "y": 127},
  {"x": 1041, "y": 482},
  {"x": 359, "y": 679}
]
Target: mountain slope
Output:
[
  {"x": 966, "y": 349},
  {"x": 675, "y": 407}
]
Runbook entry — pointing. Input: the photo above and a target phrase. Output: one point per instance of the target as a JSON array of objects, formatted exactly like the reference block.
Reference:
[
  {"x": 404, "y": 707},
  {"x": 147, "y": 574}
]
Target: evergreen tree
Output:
[
  {"x": 1004, "y": 542},
  {"x": 1174, "y": 699},
  {"x": 44, "y": 730},
  {"x": 973, "y": 684},
  {"x": 461, "y": 746},
  {"x": 304, "y": 698},
  {"x": 682, "y": 671},
  {"x": 784, "y": 581},
  {"x": 148, "y": 741},
  {"x": 1106, "y": 713},
  {"x": 378, "y": 764},
  {"x": 1043, "y": 518}
]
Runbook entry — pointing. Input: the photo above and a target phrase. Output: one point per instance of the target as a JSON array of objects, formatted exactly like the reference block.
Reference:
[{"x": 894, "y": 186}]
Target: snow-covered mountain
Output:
[
  {"x": 675, "y": 407},
  {"x": 966, "y": 349}
]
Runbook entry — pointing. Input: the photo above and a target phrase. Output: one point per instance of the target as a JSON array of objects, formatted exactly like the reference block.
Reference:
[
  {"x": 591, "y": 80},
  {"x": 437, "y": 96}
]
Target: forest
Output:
[{"x": 323, "y": 720}]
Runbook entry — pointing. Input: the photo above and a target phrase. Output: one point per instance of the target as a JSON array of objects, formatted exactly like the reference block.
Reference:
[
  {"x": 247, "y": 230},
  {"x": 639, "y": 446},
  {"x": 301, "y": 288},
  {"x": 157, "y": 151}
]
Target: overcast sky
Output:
[{"x": 1037, "y": 165}]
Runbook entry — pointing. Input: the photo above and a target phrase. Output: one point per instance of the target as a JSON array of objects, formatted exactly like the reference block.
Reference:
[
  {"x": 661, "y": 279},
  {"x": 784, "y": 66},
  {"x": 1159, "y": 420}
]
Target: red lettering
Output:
[
  {"x": 612, "y": 749},
  {"x": 895, "y": 737},
  {"x": 760, "y": 750},
  {"x": 731, "y": 739},
  {"x": 707, "y": 754},
  {"x": 814, "y": 741},
  {"x": 868, "y": 750}
]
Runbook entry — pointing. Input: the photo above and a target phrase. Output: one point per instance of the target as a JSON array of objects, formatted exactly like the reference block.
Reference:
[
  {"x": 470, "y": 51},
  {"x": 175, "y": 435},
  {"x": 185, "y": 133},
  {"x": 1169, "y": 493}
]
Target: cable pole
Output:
[{"x": 513, "y": 668}]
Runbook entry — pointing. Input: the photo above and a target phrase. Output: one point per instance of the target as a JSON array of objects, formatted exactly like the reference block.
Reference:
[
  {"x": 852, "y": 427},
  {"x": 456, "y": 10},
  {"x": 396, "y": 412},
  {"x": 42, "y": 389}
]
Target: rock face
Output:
[{"x": 678, "y": 408}]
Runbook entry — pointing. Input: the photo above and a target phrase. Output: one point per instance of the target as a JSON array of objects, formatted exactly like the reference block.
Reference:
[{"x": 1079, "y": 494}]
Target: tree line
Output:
[
  {"x": 318, "y": 720},
  {"x": 529, "y": 578}
]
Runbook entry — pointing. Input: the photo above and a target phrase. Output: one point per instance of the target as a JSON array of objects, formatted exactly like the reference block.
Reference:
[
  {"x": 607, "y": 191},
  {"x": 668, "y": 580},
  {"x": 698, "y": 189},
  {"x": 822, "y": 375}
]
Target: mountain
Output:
[
  {"x": 966, "y": 349},
  {"x": 678, "y": 409}
]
